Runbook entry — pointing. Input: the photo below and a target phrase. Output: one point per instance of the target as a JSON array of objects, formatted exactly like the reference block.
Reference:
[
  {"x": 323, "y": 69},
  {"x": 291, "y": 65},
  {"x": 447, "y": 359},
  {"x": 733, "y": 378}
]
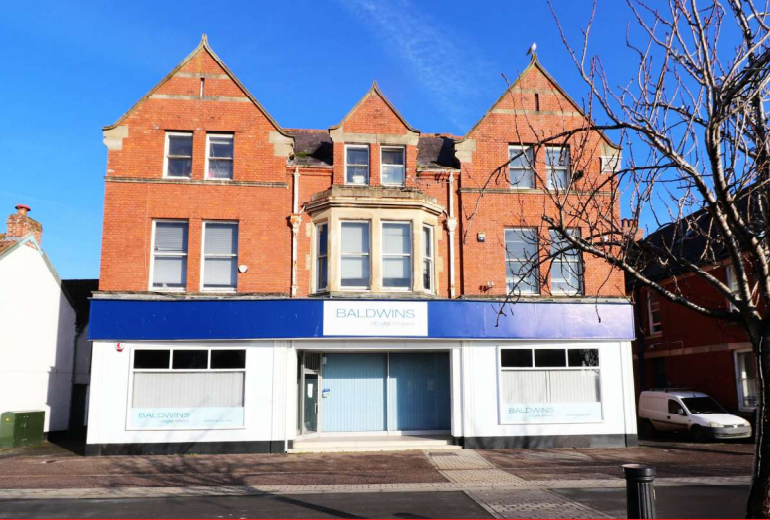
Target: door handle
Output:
[
  {"x": 668, "y": 417},
  {"x": 316, "y": 408}
]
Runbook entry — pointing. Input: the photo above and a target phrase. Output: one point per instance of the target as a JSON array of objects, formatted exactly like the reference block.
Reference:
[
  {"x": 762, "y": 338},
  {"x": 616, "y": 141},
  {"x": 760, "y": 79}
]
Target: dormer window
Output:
[
  {"x": 392, "y": 166},
  {"x": 357, "y": 165}
]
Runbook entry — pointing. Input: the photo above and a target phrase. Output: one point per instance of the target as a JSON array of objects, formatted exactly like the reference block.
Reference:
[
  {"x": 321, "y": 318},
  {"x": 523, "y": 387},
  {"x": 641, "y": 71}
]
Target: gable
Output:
[
  {"x": 184, "y": 81},
  {"x": 374, "y": 114},
  {"x": 535, "y": 93}
]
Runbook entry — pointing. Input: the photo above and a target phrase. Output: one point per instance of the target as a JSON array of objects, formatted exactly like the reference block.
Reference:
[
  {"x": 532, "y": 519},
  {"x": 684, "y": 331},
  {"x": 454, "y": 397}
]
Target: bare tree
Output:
[{"x": 696, "y": 159}]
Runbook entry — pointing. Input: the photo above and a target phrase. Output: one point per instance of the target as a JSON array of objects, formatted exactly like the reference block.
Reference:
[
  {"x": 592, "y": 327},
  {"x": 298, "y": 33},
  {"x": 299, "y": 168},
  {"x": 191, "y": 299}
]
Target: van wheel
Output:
[
  {"x": 648, "y": 429},
  {"x": 698, "y": 434}
]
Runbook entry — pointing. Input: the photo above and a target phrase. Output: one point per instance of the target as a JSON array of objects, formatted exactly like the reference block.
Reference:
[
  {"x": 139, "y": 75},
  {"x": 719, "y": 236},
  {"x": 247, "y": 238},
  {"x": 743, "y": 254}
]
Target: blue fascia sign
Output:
[{"x": 158, "y": 320}]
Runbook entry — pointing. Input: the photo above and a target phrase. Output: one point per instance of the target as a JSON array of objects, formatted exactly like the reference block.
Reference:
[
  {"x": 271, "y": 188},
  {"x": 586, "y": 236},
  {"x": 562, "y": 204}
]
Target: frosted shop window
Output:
[
  {"x": 169, "y": 256},
  {"x": 220, "y": 256},
  {"x": 550, "y": 385},
  {"x": 187, "y": 389}
]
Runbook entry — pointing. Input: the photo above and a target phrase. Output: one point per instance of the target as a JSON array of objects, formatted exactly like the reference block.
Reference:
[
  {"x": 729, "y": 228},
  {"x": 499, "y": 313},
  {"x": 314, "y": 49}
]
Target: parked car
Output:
[{"x": 686, "y": 410}]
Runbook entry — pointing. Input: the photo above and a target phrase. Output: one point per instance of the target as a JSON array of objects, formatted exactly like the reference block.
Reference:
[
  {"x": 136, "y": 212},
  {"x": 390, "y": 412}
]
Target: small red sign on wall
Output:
[{"x": 119, "y": 347}]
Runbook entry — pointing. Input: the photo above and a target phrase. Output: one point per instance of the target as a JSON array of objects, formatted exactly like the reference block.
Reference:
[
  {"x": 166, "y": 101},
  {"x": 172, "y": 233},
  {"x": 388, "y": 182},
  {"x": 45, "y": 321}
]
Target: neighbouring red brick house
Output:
[
  {"x": 308, "y": 260},
  {"x": 680, "y": 348}
]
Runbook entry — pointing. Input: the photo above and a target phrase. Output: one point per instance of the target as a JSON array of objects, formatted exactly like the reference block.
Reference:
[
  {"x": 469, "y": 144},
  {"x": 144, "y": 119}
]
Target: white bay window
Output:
[
  {"x": 397, "y": 255},
  {"x": 354, "y": 255}
]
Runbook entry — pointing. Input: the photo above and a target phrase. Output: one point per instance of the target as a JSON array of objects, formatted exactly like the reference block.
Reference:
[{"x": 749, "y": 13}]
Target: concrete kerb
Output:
[{"x": 177, "y": 491}]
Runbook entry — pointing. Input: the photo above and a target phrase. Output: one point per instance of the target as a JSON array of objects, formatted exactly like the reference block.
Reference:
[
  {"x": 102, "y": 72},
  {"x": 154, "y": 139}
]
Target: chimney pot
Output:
[{"x": 23, "y": 209}]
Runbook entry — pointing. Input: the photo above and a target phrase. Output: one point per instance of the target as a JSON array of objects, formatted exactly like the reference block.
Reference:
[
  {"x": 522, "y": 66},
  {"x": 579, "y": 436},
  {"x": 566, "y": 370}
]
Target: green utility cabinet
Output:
[{"x": 20, "y": 429}]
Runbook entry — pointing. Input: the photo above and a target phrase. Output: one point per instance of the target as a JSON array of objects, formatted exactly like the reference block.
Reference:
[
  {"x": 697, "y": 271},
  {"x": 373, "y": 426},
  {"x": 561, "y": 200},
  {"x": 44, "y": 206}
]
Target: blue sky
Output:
[{"x": 72, "y": 67}]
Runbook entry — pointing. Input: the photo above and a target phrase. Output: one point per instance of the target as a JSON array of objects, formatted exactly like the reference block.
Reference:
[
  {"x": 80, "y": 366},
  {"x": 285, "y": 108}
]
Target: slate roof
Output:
[
  {"x": 313, "y": 148},
  {"x": 6, "y": 243},
  {"x": 79, "y": 291}
]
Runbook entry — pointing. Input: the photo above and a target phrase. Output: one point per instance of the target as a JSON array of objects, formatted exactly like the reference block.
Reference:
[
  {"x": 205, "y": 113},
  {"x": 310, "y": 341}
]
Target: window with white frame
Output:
[
  {"x": 220, "y": 256},
  {"x": 219, "y": 156},
  {"x": 178, "y": 160},
  {"x": 354, "y": 255},
  {"x": 169, "y": 255},
  {"x": 566, "y": 265},
  {"x": 356, "y": 165},
  {"x": 187, "y": 388},
  {"x": 392, "y": 166},
  {"x": 550, "y": 385},
  {"x": 745, "y": 377},
  {"x": 322, "y": 256},
  {"x": 732, "y": 282},
  {"x": 654, "y": 313},
  {"x": 427, "y": 258},
  {"x": 557, "y": 167},
  {"x": 520, "y": 260},
  {"x": 521, "y": 167},
  {"x": 397, "y": 255}
]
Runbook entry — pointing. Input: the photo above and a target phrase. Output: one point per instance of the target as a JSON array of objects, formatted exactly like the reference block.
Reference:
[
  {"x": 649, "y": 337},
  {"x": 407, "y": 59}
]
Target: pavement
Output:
[{"x": 695, "y": 481}]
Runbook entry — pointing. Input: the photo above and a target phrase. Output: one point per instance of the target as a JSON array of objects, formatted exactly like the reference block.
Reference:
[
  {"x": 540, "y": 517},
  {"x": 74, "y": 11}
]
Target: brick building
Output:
[{"x": 264, "y": 287}]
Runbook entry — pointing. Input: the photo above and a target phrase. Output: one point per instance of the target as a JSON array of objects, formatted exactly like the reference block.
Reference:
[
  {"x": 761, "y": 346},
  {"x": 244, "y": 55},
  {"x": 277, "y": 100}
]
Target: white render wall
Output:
[
  {"x": 108, "y": 397},
  {"x": 481, "y": 393},
  {"x": 271, "y": 389},
  {"x": 37, "y": 335}
]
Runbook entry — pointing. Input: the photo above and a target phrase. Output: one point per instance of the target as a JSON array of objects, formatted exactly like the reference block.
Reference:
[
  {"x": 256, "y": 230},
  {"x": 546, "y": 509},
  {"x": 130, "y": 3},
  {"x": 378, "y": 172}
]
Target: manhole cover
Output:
[{"x": 443, "y": 454}]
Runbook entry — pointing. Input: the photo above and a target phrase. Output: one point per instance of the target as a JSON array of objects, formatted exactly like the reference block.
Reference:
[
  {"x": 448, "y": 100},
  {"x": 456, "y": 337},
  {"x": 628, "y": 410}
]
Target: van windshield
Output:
[{"x": 702, "y": 405}]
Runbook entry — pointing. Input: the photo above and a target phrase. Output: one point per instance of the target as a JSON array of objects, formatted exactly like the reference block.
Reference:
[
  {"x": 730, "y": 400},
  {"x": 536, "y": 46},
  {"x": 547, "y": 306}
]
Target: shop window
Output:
[
  {"x": 357, "y": 165},
  {"x": 187, "y": 388},
  {"x": 354, "y": 261},
  {"x": 654, "y": 313},
  {"x": 746, "y": 380},
  {"x": 322, "y": 256},
  {"x": 427, "y": 258},
  {"x": 220, "y": 256},
  {"x": 521, "y": 167},
  {"x": 396, "y": 255},
  {"x": 520, "y": 255},
  {"x": 178, "y": 159},
  {"x": 557, "y": 167},
  {"x": 550, "y": 385},
  {"x": 219, "y": 156},
  {"x": 169, "y": 255},
  {"x": 566, "y": 266},
  {"x": 392, "y": 166}
]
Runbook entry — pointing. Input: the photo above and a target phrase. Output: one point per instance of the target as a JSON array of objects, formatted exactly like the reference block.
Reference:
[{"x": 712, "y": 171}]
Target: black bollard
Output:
[{"x": 640, "y": 495}]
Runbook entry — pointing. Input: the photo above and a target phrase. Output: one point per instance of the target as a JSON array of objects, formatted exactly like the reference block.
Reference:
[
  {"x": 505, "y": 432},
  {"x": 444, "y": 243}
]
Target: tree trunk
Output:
[{"x": 759, "y": 496}]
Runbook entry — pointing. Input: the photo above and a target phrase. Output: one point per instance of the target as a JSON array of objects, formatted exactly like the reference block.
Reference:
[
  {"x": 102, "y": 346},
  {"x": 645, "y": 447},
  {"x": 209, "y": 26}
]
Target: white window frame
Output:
[
  {"x": 368, "y": 164},
  {"x": 203, "y": 288},
  {"x": 401, "y": 255},
  {"x": 431, "y": 259},
  {"x": 732, "y": 282},
  {"x": 367, "y": 255},
  {"x": 165, "y": 154},
  {"x": 318, "y": 256},
  {"x": 509, "y": 258},
  {"x": 229, "y": 135},
  {"x": 739, "y": 380},
  {"x": 549, "y": 169},
  {"x": 656, "y": 328},
  {"x": 610, "y": 163},
  {"x": 133, "y": 370},
  {"x": 151, "y": 286},
  {"x": 578, "y": 261},
  {"x": 526, "y": 149},
  {"x": 501, "y": 369},
  {"x": 382, "y": 165}
]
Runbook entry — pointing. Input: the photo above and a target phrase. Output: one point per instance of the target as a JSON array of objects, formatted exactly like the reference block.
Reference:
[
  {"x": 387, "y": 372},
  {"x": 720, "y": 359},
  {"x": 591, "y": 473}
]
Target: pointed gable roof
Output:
[
  {"x": 535, "y": 64},
  {"x": 202, "y": 46},
  {"x": 375, "y": 90}
]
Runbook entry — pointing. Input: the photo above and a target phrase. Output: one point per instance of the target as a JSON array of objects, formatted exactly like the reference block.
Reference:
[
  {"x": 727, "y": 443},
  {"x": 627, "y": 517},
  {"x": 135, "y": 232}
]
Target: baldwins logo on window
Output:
[{"x": 375, "y": 318}]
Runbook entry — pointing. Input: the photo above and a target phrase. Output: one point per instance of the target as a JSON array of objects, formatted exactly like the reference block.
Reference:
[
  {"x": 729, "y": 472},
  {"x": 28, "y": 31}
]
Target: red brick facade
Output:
[{"x": 202, "y": 96}]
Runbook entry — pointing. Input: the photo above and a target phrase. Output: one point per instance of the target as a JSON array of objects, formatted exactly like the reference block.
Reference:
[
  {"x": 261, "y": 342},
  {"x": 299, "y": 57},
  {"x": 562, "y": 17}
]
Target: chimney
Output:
[
  {"x": 630, "y": 227},
  {"x": 20, "y": 224}
]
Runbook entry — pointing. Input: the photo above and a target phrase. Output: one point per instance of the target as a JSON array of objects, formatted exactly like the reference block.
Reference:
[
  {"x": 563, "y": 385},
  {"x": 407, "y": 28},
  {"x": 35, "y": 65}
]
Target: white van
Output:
[{"x": 685, "y": 410}]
